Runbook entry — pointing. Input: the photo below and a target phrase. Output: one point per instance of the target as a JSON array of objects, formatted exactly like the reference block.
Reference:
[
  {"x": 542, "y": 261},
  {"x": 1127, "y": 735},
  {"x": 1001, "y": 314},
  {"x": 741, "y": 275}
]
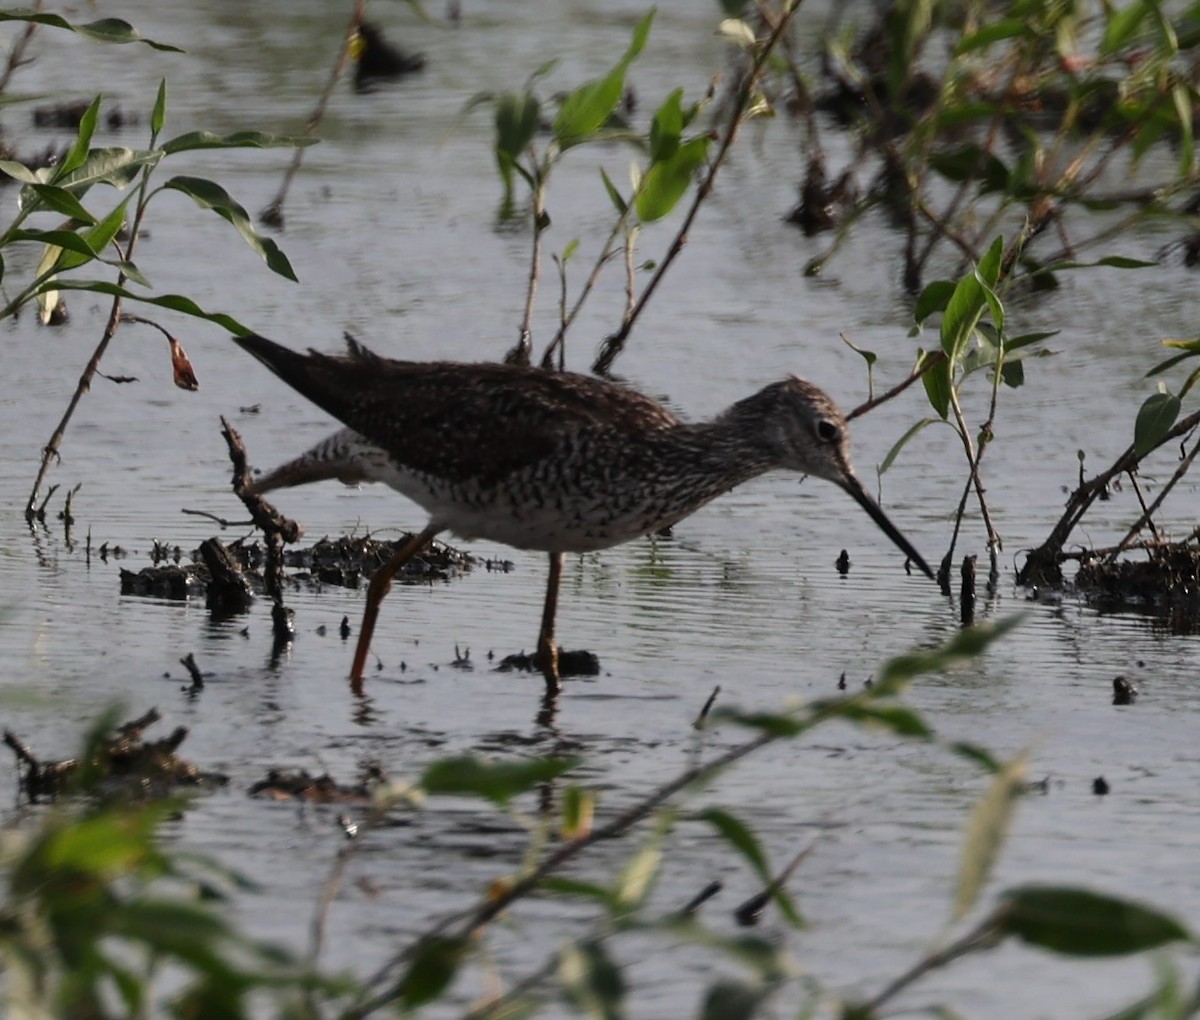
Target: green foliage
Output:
[
  {"x": 210, "y": 195},
  {"x": 586, "y": 115},
  {"x": 93, "y": 906},
  {"x": 498, "y": 782},
  {"x": 987, "y": 829},
  {"x": 107, "y": 30},
  {"x": 590, "y": 105},
  {"x": 742, "y": 838},
  {"x": 1154, "y": 421},
  {"x": 1078, "y": 922},
  {"x": 86, "y": 236}
]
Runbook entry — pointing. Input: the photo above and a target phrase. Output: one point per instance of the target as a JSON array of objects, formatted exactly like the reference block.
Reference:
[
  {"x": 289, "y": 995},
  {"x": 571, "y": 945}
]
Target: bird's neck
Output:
[{"x": 725, "y": 452}]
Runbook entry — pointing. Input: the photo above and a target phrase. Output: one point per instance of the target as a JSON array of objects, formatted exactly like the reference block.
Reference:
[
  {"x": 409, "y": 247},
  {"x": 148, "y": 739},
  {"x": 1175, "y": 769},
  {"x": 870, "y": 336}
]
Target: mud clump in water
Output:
[
  {"x": 346, "y": 562},
  {"x": 1166, "y": 583}
]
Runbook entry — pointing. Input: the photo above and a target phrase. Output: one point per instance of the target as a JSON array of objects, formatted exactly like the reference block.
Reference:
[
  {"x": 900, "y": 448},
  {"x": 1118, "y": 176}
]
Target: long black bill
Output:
[{"x": 853, "y": 486}]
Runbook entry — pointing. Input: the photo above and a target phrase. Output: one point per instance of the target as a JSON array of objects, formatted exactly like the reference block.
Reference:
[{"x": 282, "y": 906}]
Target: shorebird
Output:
[{"x": 548, "y": 461}]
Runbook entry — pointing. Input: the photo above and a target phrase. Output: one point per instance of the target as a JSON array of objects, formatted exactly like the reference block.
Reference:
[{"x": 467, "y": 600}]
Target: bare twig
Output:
[
  {"x": 50, "y": 451},
  {"x": 272, "y": 215},
  {"x": 984, "y": 936},
  {"x": 934, "y": 359},
  {"x": 614, "y": 344},
  {"x": 1149, "y": 511},
  {"x": 16, "y": 56},
  {"x": 522, "y": 353},
  {"x": 1041, "y": 565}
]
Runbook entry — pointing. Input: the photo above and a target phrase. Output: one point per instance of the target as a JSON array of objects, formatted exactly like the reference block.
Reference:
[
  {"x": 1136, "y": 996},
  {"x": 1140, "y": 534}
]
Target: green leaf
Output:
[
  {"x": 60, "y": 200},
  {"x": 937, "y": 384},
  {"x": 1192, "y": 345},
  {"x": 613, "y": 194},
  {"x": 967, "y": 644},
  {"x": 585, "y": 890},
  {"x": 83, "y": 139},
  {"x": 776, "y": 724},
  {"x": 970, "y": 162},
  {"x": 742, "y": 838},
  {"x": 238, "y": 140},
  {"x": 110, "y": 30},
  {"x": 962, "y": 315},
  {"x": 1113, "y": 261},
  {"x": 733, "y": 1000},
  {"x": 934, "y": 298},
  {"x": 175, "y": 302},
  {"x": 19, "y": 172},
  {"x": 210, "y": 195},
  {"x": 93, "y": 243},
  {"x": 1154, "y": 421},
  {"x": 433, "y": 967},
  {"x": 870, "y": 357},
  {"x": 1011, "y": 346},
  {"x": 1168, "y": 364},
  {"x": 989, "y": 265},
  {"x": 898, "y": 719},
  {"x": 666, "y": 182},
  {"x": 116, "y": 166},
  {"x": 159, "y": 117},
  {"x": 170, "y": 926},
  {"x": 498, "y": 782},
  {"x": 900, "y": 443},
  {"x": 636, "y": 879},
  {"x": 667, "y": 127},
  {"x": 1082, "y": 923},
  {"x": 1012, "y": 374},
  {"x": 65, "y": 239},
  {"x": 1189, "y": 382},
  {"x": 591, "y": 980},
  {"x": 979, "y": 755},
  {"x": 591, "y": 104},
  {"x": 1122, "y": 24},
  {"x": 517, "y": 117},
  {"x": 986, "y": 832},
  {"x": 738, "y": 835}
]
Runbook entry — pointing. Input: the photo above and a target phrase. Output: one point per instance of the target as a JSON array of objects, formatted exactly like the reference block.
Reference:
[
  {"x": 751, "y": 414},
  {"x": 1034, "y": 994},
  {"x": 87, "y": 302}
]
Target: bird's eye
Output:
[{"x": 827, "y": 431}]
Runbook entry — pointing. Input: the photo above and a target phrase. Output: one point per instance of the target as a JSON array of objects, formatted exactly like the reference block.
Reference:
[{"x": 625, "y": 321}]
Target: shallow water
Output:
[{"x": 391, "y": 229}]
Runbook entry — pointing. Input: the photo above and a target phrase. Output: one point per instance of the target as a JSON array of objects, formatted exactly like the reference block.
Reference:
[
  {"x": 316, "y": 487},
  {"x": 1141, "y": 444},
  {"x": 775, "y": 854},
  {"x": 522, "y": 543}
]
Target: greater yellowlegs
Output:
[{"x": 549, "y": 461}]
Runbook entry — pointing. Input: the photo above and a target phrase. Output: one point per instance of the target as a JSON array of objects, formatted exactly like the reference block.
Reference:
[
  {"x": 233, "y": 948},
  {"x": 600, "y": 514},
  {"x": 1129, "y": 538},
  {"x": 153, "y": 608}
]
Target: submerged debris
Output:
[
  {"x": 377, "y": 60},
  {"x": 122, "y": 763},
  {"x": 286, "y": 784},
  {"x": 1165, "y": 583},
  {"x": 577, "y": 663},
  {"x": 345, "y": 561},
  {"x": 1124, "y": 692}
]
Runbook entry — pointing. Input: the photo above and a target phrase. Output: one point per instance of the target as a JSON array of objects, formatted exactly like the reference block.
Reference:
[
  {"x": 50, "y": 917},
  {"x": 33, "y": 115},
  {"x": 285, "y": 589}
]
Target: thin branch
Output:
[
  {"x": 1149, "y": 511},
  {"x": 1041, "y": 565},
  {"x": 16, "y": 56},
  {"x": 523, "y": 351},
  {"x": 614, "y": 344},
  {"x": 985, "y": 936},
  {"x": 934, "y": 359},
  {"x": 272, "y": 215},
  {"x": 466, "y": 924},
  {"x": 50, "y": 450}
]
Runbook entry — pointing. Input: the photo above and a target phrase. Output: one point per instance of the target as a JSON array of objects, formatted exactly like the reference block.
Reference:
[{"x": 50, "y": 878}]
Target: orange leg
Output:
[
  {"x": 381, "y": 583},
  {"x": 547, "y": 647}
]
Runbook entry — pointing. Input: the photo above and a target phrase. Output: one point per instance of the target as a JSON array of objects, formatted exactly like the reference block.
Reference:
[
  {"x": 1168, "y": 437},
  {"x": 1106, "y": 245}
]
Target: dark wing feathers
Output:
[{"x": 457, "y": 420}]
